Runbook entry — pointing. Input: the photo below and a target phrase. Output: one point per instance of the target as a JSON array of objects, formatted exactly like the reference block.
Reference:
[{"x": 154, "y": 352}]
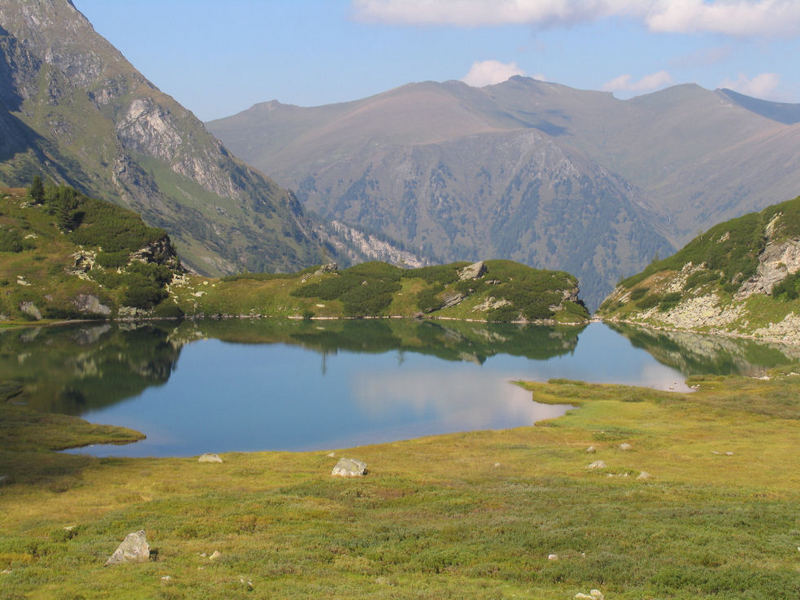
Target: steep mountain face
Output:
[
  {"x": 741, "y": 276},
  {"x": 73, "y": 109},
  {"x": 534, "y": 171}
]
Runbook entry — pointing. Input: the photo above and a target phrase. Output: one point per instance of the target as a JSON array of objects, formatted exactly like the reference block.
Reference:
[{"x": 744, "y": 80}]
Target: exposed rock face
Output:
[
  {"x": 358, "y": 246},
  {"x": 160, "y": 252},
  {"x": 776, "y": 262},
  {"x": 91, "y": 305},
  {"x": 473, "y": 271},
  {"x": 349, "y": 467},
  {"x": 133, "y": 549},
  {"x": 30, "y": 309}
]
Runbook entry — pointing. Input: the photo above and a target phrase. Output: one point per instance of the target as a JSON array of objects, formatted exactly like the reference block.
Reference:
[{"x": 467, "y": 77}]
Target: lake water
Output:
[{"x": 220, "y": 386}]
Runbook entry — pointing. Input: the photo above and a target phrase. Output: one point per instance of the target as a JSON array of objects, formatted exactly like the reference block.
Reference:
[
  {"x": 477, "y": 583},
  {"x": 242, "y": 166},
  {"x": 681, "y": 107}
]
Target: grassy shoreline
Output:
[{"x": 462, "y": 515}]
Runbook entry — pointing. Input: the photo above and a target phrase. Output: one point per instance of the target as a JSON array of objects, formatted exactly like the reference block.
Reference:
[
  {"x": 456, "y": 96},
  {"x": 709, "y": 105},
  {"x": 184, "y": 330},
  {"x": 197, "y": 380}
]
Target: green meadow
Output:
[{"x": 470, "y": 515}]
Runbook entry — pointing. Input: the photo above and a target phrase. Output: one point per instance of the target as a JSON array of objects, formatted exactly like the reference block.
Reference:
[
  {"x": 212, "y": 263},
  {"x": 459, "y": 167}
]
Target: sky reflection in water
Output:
[{"x": 234, "y": 397}]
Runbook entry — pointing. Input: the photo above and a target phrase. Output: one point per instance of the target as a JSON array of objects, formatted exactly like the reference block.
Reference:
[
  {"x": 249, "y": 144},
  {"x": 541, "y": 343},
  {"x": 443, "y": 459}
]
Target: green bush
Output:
[
  {"x": 639, "y": 293},
  {"x": 649, "y": 301},
  {"x": 788, "y": 289},
  {"x": 669, "y": 301},
  {"x": 700, "y": 278},
  {"x": 113, "y": 260}
]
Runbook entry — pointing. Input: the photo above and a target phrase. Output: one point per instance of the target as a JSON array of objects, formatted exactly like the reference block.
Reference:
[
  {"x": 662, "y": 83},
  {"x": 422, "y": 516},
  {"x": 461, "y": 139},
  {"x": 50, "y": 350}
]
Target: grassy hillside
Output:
[
  {"x": 466, "y": 515},
  {"x": 739, "y": 277},
  {"x": 66, "y": 256}
]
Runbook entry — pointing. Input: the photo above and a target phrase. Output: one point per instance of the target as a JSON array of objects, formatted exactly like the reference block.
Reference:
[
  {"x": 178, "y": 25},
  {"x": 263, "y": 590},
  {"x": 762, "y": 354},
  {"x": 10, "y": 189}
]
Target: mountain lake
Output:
[{"x": 248, "y": 385}]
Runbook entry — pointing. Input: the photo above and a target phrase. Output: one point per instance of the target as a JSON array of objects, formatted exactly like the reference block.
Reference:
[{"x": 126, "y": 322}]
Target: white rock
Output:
[
  {"x": 552, "y": 557},
  {"x": 215, "y": 555},
  {"x": 625, "y": 446},
  {"x": 349, "y": 467},
  {"x": 133, "y": 549},
  {"x": 591, "y": 450},
  {"x": 496, "y": 465},
  {"x": 598, "y": 464},
  {"x": 209, "y": 458},
  {"x": 729, "y": 453},
  {"x": 166, "y": 579},
  {"x": 596, "y": 594},
  {"x": 644, "y": 475},
  {"x": 582, "y": 596}
]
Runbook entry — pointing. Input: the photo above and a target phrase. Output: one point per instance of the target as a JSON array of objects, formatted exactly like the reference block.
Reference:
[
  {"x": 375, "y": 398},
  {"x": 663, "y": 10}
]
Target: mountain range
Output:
[
  {"x": 74, "y": 110},
  {"x": 534, "y": 171}
]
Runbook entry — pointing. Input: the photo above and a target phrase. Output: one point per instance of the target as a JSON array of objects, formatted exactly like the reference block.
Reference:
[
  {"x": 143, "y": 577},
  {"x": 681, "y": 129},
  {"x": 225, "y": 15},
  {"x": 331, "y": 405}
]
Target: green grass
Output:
[{"x": 465, "y": 515}]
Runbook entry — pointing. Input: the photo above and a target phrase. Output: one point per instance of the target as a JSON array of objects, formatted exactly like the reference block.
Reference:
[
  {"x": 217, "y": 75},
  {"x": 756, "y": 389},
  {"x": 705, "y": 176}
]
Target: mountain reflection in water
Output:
[{"x": 243, "y": 385}]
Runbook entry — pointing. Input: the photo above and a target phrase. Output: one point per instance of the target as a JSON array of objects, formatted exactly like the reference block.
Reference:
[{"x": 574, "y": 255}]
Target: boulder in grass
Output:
[
  {"x": 598, "y": 464},
  {"x": 349, "y": 467},
  {"x": 209, "y": 458},
  {"x": 133, "y": 549}
]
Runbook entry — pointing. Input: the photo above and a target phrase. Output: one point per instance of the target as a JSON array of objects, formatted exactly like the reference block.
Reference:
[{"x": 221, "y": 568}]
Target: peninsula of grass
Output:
[{"x": 469, "y": 515}]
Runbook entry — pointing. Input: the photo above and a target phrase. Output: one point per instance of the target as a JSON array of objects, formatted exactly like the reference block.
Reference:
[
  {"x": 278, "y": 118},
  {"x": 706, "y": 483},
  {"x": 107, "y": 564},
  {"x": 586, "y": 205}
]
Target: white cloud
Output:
[
  {"x": 648, "y": 83},
  {"x": 731, "y": 17},
  {"x": 489, "y": 72},
  {"x": 760, "y": 86}
]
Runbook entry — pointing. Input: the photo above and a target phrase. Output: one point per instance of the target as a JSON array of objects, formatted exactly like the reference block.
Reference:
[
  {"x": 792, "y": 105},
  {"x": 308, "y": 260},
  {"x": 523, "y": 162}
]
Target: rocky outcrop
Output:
[
  {"x": 91, "y": 305},
  {"x": 160, "y": 252},
  {"x": 473, "y": 271},
  {"x": 30, "y": 310},
  {"x": 778, "y": 260}
]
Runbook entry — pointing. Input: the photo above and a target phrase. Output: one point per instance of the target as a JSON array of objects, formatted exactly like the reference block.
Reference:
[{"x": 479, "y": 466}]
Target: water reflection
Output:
[{"x": 274, "y": 384}]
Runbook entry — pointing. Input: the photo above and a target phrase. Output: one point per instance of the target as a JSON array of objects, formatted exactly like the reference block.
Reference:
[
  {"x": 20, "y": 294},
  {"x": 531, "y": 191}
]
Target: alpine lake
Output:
[{"x": 248, "y": 385}]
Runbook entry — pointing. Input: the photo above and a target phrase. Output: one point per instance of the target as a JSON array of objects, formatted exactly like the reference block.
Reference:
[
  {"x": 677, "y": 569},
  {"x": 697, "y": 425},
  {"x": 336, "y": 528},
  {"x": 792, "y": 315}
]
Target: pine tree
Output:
[{"x": 36, "y": 191}]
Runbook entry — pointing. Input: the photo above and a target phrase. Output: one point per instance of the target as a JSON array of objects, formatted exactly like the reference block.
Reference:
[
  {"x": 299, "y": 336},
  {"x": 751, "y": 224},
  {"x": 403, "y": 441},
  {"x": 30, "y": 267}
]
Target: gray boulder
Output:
[
  {"x": 91, "y": 305},
  {"x": 349, "y": 467},
  {"x": 472, "y": 271},
  {"x": 30, "y": 309},
  {"x": 209, "y": 458},
  {"x": 598, "y": 464},
  {"x": 133, "y": 549}
]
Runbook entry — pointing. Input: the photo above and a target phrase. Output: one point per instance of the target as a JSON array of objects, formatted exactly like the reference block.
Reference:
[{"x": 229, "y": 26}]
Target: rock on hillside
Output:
[
  {"x": 74, "y": 109},
  {"x": 741, "y": 277}
]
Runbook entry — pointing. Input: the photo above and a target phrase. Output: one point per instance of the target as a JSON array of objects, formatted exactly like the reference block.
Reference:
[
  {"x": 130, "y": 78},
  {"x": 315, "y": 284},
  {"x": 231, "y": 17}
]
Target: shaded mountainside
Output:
[
  {"x": 740, "y": 277},
  {"x": 72, "y": 108},
  {"x": 528, "y": 170},
  {"x": 64, "y": 255}
]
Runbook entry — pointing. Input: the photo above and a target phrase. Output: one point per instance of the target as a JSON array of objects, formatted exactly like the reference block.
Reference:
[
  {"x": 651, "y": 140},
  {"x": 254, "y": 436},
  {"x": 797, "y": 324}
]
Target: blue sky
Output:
[{"x": 218, "y": 58}]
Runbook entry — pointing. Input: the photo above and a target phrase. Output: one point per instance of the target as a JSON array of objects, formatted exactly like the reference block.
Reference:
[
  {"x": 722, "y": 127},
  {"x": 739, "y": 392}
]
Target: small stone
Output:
[
  {"x": 246, "y": 582},
  {"x": 166, "y": 579},
  {"x": 133, "y": 549},
  {"x": 215, "y": 555},
  {"x": 715, "y": 452},
  {"x": 209, "y": 458},
  {"x": 644, "y": 475},
  {"x": 729, "y": 453},
  {"x": 331, "y": 454},
  {"x": 596, "y": 594},
  {"x": 625, "y": 446},
  {"x": 591, "y": 450},
  {"x": 552, "y": 557},
  {"x": 598, "y": 464},
  {"x": 5, "y": 572},
  {"x": 582, "y": 596},
  {"x": 496, "y": 465},
  {"x": 349, "y": 467}
]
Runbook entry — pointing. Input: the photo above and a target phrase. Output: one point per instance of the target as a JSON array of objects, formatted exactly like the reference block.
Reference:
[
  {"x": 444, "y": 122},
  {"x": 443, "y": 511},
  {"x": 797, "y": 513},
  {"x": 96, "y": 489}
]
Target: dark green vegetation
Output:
[
  {"x": 742, "y": 275},
  {"x": 72, "y": 108},
  {"x": 466, "y": 515},
  {"x": 530, "y": 170},
  {"x": 72, "y": 256}
]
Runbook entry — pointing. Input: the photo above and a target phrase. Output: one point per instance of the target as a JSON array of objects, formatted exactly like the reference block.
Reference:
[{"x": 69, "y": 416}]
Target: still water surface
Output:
[{"x": 266, "y": 385}]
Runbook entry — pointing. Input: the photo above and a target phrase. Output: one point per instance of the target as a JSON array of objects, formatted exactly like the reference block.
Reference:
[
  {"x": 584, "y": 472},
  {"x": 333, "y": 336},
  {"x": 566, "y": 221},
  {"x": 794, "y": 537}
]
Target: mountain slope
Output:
[
  {"x": 72, "y": 108},
  {"x": 437, "y": 165},
  {"x": 741, "y": 277}
]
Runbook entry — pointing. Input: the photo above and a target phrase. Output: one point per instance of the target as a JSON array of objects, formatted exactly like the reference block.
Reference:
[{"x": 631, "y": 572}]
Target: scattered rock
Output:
[
  {"x": 552, "y": 557},
  {"x": 331, "y": 454},
  {"x": 349, "y": 467},
  {"x": 209, "y": 458},
  {"x": 472, "y": 271},
  {"x": 643, "y": 475},
  {"x": 715, "y": 452},
  {"x": 451, "y": 299},
  {"x": 246, "y": 582},
  {"x": 597, "y": 595},
  {"x": 215, "y": 555},
  {"x": 496, "y": 465},
  {"x": 591, "y": 450},
  {"x": 166, "y": 579},
  {"x": 625, "y": 446},
  {"x": 29, "y": 308},
  {"x": 729, "y": 453},
  {"x": 582, "y": 596},
  {"x": 598, "y": 464},
  {"x": 133, "y": 549},
  {"x": 5, "y": 572}
]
